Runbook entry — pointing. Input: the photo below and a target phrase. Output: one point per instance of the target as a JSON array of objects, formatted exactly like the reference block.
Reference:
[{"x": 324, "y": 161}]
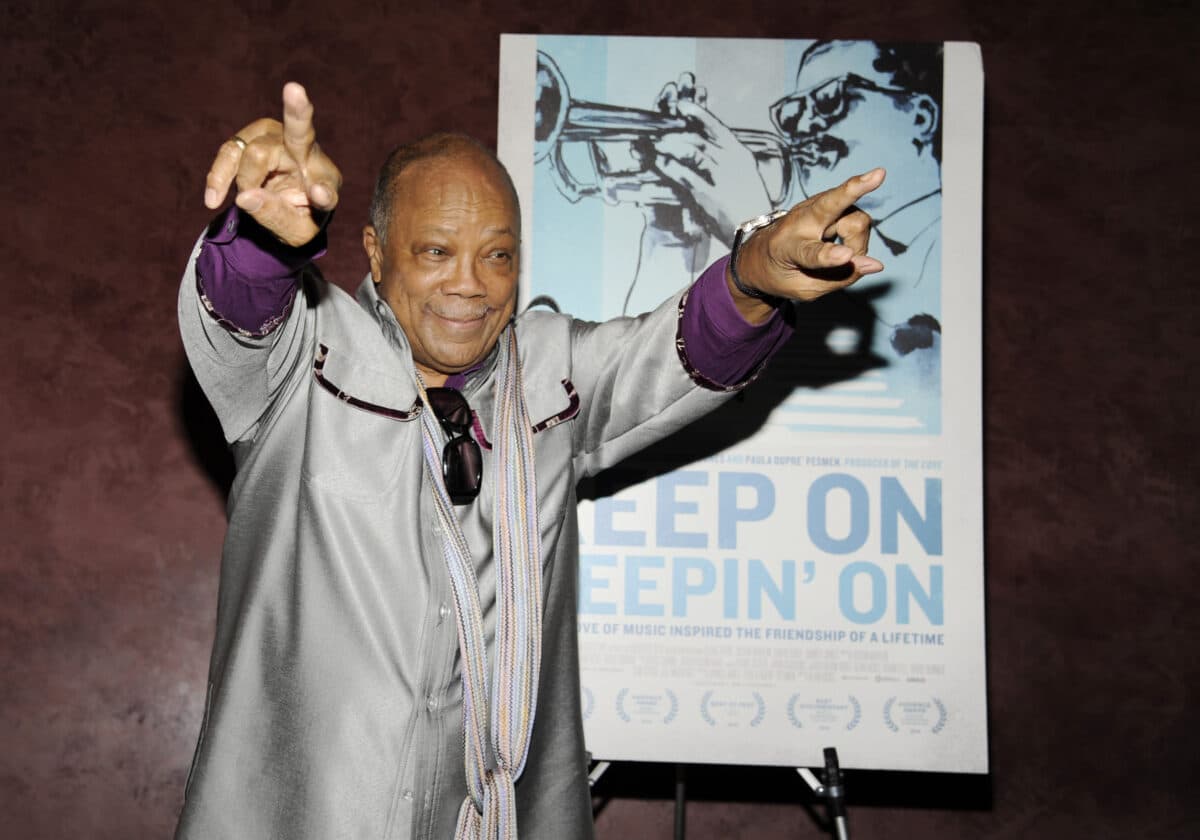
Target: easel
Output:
[{"x": 832, "y": 789}]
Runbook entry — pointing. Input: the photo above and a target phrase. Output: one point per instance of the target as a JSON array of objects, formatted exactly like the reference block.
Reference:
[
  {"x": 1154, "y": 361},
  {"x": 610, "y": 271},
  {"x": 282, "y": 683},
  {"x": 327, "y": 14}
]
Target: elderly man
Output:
[{"x": 398, "y": 582}]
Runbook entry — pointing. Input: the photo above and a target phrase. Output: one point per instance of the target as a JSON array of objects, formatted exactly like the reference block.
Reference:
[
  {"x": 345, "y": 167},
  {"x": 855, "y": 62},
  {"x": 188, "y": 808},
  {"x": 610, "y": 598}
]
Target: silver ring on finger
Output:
[{"x": 239, "y": 142}]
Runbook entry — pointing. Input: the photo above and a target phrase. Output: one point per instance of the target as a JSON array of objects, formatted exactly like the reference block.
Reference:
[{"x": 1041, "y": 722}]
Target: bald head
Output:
[{"x": 441, "y": 146}]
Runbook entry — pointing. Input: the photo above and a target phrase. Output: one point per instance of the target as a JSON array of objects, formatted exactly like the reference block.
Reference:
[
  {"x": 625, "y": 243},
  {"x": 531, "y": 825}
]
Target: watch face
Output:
[{"x": 762, "y": 221}]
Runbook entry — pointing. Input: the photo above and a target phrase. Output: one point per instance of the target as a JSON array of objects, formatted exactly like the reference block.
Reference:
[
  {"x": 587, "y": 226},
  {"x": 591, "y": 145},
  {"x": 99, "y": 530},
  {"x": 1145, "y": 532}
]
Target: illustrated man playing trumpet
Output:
[{"x": 695, "y": 178}]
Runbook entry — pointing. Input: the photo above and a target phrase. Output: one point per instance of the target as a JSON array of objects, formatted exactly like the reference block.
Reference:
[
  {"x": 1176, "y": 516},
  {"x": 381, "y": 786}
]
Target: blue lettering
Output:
[
  {"x": 729, "y": 513},
  {"x": 760, "y": 582},
  {"x": 731, "y": 587},
  {"x": 877, "y": 592},
  {"x": 589, "y": 583},
  {"x": 635, "y": 585},
  {"x": 818, "y": 530},
  {"x": 895, "y": 505},
  {"x": 606, "y": 534},
  {"x": 669, "y": 507},
  {"x": 683, "y": 584},
  {"x": 908, "y": 588}
]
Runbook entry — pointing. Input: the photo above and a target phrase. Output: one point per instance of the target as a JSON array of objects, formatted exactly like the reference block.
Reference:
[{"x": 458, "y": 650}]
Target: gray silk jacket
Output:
[{"x": 334, "y": 703}]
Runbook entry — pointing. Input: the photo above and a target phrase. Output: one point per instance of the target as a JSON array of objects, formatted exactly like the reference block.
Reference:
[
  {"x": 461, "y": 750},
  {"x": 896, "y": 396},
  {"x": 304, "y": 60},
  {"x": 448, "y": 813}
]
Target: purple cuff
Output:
[
  {"x": 246, "y": 278},
  {"x": 720, "y": 345}
]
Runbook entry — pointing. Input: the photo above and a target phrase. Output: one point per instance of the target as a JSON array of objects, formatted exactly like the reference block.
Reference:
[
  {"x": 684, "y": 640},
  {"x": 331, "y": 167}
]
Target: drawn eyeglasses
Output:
[{"x": 827, "y": 101}]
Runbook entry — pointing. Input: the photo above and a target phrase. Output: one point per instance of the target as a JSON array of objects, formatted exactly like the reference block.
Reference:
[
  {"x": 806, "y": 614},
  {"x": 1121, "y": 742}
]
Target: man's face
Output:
[
  {"x": 448, "y": 268},
  {"x": 846, "y": 118}
]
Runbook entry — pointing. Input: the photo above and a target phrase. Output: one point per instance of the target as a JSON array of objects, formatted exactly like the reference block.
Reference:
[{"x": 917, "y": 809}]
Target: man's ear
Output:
[
  {"x": 925, "y": 121},
  {"x": 374, "y": 249}
]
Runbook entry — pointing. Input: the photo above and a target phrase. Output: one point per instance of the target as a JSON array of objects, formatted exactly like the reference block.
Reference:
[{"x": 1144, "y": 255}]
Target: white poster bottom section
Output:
[{"x": 821, "y": 607}]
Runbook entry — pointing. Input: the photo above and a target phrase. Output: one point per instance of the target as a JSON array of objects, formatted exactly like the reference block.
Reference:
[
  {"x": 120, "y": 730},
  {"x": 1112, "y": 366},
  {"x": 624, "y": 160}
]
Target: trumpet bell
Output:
[{"x": 550, "y": 107}]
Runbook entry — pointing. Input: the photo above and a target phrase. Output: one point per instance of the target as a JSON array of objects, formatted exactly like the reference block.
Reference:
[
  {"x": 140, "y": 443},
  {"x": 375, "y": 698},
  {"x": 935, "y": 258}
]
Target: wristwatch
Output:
[{"x": 744, "y": 231}]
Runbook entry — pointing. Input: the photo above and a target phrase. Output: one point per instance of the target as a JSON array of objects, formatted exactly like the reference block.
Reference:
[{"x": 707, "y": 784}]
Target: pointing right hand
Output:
[{"x": 283, "y": 178}]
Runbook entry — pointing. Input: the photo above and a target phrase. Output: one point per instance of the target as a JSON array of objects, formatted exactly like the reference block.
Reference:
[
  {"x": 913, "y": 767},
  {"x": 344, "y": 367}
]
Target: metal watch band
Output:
[{"x": 744, "y": 231}]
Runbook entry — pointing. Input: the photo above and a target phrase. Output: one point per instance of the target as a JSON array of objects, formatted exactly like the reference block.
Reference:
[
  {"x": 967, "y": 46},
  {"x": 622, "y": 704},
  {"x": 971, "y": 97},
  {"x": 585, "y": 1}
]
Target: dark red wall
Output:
[{"x": 111, "y": 485}]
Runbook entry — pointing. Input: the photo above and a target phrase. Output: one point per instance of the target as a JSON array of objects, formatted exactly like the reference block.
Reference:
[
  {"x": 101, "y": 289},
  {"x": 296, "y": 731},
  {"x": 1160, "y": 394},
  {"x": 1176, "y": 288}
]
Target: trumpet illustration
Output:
[{"x": 620, "y": 145}]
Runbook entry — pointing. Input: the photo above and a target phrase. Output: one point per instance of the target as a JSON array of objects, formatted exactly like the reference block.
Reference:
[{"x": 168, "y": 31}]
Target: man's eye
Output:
[
  {"x": 828, "y": 99},
  {"x": 499, "y": 256},
  {"x": 435, "y": 252}
]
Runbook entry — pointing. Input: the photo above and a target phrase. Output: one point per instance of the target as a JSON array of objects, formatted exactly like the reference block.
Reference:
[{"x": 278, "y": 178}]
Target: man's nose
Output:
[{"x": 466, "y": 279}]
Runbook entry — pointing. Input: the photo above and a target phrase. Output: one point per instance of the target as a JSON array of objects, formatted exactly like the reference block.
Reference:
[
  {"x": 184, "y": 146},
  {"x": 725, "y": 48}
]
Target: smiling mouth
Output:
[{"x": 462, "y": 318}]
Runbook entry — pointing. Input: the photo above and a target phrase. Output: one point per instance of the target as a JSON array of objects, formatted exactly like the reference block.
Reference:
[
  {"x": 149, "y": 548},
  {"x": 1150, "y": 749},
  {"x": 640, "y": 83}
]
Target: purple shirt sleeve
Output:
[
  {"x": 721, "y": 345},
  {"x": 246, "y": 278}
]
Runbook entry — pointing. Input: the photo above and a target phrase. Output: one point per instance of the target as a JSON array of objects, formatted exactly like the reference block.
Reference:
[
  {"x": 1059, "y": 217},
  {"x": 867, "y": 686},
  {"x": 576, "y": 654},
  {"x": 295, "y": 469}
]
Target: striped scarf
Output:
[{"x": 505, "y": 713}]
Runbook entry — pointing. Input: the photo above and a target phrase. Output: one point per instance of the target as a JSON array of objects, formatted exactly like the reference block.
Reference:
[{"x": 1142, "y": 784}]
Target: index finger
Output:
[
  {"x": 298, "y": 131},
  {"x": 832, "y": 203}
]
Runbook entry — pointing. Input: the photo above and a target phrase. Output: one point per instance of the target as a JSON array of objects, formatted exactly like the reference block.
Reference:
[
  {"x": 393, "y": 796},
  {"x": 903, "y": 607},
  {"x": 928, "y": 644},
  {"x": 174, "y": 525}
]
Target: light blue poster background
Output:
[
  {"x": 626, "y": 264},
  {"x": 804, "y": 568}
]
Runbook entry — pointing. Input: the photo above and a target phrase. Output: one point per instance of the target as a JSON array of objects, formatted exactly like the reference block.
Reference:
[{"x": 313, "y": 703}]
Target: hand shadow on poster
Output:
[{"x": 810, "y": 359}]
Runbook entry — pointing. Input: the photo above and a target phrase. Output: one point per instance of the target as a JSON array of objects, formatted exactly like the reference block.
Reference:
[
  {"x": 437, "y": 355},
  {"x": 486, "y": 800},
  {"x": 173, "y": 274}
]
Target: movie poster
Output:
[{"x": 805, "y": 568}]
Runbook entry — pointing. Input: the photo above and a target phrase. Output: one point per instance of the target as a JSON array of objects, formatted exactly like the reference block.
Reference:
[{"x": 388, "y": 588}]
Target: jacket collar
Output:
[{"x": 389, "y": 382}]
